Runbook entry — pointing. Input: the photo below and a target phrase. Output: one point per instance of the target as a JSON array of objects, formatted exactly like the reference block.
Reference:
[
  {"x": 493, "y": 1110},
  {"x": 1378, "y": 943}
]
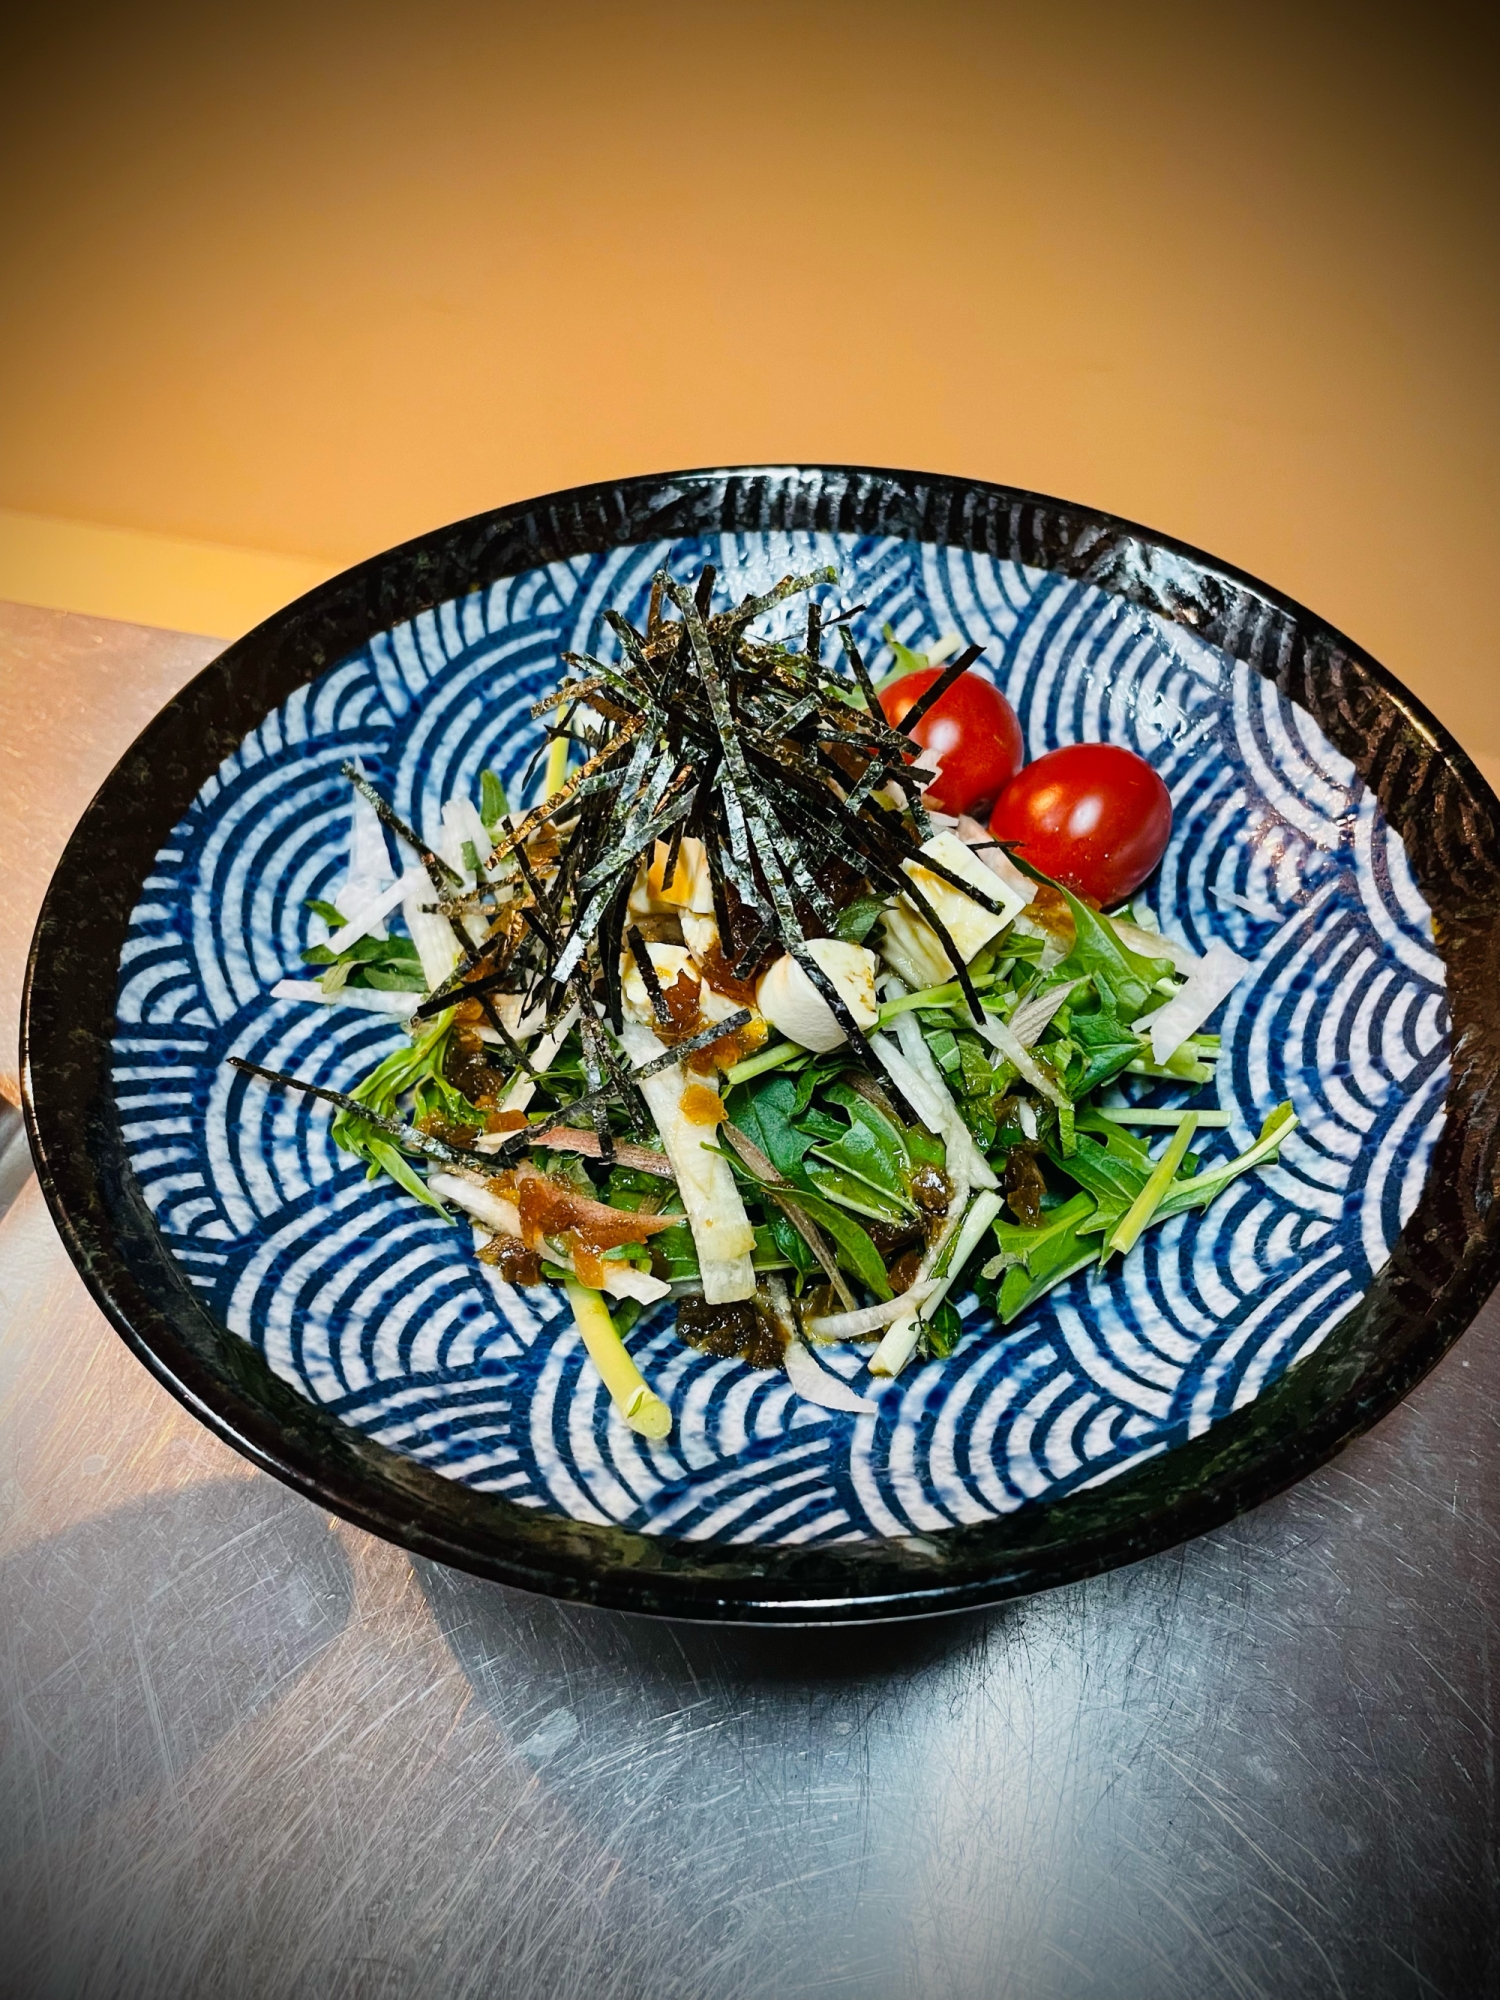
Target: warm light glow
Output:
[{"x": 310, "y": 280}]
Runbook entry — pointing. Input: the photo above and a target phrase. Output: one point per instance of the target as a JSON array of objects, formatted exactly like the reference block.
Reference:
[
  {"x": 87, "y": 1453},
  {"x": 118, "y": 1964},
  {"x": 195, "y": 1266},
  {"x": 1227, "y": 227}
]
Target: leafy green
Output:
[
  {"x": 855, "y": 1250},
  {"x": 1187, "y": 1065},
  {"x": 1202, "y": 1188},
  {"x": 387, "y": 964},
  {"x": 789, "y": 1243},
  {"x": 820, "y": 1124},
  {"x": 677, "y": 1251},
  {"x": 623, "y": 1314},
  {"x": 940, "y": 1334},
  {"x": 907, "y": 661},
  {"x": 493, "y": 804},
  {"x": 853, "y": 1190},
  {"x": 870, "y": 1158},
  {"x": 764, "y": 1109},
  {"x": 1127, "y": 1231},
  {"x": 1103, "y": 1171},
  {"x": 858, "y": 919},
  {"x": 1098, "y": 953},
  {"x": 1033, "y": 1260},
  {"x": 415, "y": 1071}
]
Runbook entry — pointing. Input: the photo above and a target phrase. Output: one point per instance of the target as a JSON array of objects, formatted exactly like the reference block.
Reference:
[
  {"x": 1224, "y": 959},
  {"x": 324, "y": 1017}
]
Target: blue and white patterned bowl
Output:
[{"x": 376, "y": 1314}]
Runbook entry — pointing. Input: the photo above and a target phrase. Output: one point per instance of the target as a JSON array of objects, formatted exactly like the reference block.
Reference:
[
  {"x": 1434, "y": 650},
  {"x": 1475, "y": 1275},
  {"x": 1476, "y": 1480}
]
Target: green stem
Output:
[
  {"x": 767, "y": 1059},
  {"x": 637, "y": 1402},
  {"x": 1132, "y": 1114},
  {"x": 1146, "y": 1203},
  {"x": 931, "y": 996}
]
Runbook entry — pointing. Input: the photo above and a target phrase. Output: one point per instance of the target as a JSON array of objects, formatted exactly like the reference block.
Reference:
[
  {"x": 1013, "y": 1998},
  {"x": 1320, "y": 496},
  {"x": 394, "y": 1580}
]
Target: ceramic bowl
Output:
[{"x": 348, "y": 1340}]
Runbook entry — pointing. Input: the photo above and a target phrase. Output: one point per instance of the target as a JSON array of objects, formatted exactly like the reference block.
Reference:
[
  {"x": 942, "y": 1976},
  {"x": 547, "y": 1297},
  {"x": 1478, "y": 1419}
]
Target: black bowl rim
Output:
[{"x": 1443, "y": 1268}]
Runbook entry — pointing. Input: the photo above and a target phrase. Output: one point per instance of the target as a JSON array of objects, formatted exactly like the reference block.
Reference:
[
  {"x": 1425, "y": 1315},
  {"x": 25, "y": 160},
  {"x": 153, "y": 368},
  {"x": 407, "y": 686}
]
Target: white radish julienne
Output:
[
  {"x": 866, "y": 1319},
  {"x": 1003, "y": 1038},
  {"x": 814, "y": 1384},
  {"x": 398, "y": 1006},
  {"x": 437, "y": 948},
  {"x": 449, "y": 845},
  {"x": 1032, "y": 1016},
  {"x": 1212, "y": 980},
  {"x": 370, "y": 917},
  {"x": 900, "y": 1342},
  {"x": 722, "y": 1233},
  {"x": 369, "y": 871},
  {"x": 965, "y": 1161},
  {"x": 542, "y": 1057}
]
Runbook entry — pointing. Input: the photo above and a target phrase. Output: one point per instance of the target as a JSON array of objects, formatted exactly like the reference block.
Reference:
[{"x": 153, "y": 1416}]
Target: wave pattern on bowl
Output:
[{"x": 380, "y": 1311}]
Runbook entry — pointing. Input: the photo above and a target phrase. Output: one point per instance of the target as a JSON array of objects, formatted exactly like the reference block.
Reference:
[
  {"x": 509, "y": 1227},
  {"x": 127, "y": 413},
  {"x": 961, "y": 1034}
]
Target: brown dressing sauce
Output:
[
  {"x": 741, "y": 1331},
  {"x": 931, "y": 1190},
  {"x": 719, "y": 974},
  {"x": 515, "y": 1263},
  {"x": 467, "y": 1065},
  {"x": 1024, "y": 1185},
  {"x": 702, "y": 1106},
  {"x": 685, "y": 1019}
]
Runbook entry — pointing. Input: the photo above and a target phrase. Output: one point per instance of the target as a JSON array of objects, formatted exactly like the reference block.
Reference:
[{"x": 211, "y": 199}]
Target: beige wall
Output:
[{"x": 305, "y": 281}]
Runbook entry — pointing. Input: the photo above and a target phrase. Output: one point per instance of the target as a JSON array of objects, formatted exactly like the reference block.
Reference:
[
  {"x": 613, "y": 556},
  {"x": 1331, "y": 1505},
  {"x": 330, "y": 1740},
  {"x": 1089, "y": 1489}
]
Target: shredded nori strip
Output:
[
  {"x": 410, "y": 1136},
  {"x": 439, "y": 873},
  {"x": 753, "y": 748},
  {"x": 642, "y": 956},
  {"x": 933, "y": 695}
]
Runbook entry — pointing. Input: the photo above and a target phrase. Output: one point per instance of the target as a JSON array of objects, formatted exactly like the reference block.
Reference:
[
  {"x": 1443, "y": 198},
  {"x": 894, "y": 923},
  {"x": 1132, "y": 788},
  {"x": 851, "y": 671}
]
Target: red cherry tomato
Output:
[
  {"x": 972, "y": 734},
  {"x": 1093, "y": 816}
]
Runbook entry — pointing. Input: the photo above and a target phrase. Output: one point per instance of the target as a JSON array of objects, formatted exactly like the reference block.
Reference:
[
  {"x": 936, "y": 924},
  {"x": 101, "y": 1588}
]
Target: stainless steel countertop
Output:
[{"x": 248, "y": 1750}]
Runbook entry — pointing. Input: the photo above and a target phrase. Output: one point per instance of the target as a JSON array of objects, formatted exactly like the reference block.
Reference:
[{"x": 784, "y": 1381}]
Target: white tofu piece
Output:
[
  {"x": 670, "y": 961},
  {"x": 969, "y": 924},
  {"x": 790, "y": 1001}
]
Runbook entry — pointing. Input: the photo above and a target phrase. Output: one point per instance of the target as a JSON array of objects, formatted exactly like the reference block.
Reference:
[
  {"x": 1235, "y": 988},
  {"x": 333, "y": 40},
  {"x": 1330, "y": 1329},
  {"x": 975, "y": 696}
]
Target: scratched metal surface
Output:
[{"x": 247, "y": 1750}]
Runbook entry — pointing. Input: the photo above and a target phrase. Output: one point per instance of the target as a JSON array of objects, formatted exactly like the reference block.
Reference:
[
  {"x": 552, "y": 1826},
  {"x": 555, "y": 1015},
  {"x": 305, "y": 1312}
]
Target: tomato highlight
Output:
[
  {"x": 972, "y": 737},
  {"x": 1093, "y": 816}
]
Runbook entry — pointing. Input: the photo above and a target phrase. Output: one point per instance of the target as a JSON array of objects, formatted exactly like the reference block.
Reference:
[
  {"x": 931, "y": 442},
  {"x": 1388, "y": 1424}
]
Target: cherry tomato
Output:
[
  {"x": 1092, "y": 816},
  {"x": 972, "y": 733}
]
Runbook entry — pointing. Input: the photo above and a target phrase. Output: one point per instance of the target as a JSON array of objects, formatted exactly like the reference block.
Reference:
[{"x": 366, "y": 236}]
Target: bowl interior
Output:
[{"x": 416, "y": 1389}]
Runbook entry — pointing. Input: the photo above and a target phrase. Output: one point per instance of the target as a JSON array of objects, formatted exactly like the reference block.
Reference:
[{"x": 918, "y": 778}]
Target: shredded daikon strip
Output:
[
  {"x": 814, "y": 1384},
  {"x": 436, "y": 945},
  {"x": 722, "y": 1232},
  {"x": 399, "y": 1006},
  {"x": 1213, "y": 980},
  {"x": 999, "y": 1036},
  {"x": 472, "y": 828},
  {"x": 1032, "y": 1016},
  {"x": 900, "y": 1342},
  {"x": 364, "y": 921},
  {"x": 965, "y": 1161},
  {"x": 369, "y": 871},
  {"x": 1155, "y": 944},
  {"x": 621, "y": 1280},
  {"x": 493, "y": 1210},
  {"x": 542, "y": 1057},
  {"x": 866, "y": 1319}
]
